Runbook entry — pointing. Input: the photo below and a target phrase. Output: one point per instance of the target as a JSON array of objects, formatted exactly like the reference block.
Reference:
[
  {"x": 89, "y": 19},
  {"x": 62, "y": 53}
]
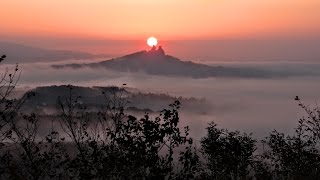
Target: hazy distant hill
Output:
[
  {"x": 17, "y": 53},
  {"x": 156, "y": 62},
  {"x": 45, "y": 99}
]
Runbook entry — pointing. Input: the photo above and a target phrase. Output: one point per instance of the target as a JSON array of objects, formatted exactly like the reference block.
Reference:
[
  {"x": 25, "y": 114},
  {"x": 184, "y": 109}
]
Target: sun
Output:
[{"x": 152, "y": 41}]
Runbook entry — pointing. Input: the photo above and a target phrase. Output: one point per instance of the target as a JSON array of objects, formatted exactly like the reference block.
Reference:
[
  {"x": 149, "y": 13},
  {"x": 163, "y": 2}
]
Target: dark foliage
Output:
[
  {"x": 229, "y": 154},
  {"x": 296, "y": 156}
]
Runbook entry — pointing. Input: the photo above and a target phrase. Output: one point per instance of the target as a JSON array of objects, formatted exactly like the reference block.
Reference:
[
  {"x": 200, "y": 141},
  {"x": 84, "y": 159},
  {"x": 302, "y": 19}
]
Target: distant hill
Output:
[
  {"x": 45, "y": 99},
  {"x": 156, "y": 62},
  {"x": 18, "y": 53}
]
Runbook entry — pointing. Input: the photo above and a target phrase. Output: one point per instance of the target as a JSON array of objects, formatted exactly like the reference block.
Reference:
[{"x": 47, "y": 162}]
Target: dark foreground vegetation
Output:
[{"x": 116, "y": 145}]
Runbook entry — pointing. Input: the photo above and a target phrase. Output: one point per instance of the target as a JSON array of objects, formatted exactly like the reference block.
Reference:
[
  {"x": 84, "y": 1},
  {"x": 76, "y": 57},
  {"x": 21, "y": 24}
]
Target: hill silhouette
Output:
[
  {"x": 46, "y": 98},
  {"x": 156, "y": 62}
]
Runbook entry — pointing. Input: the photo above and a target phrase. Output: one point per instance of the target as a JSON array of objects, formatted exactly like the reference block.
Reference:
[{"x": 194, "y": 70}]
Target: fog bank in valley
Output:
[{"x": 253, "y": 105}]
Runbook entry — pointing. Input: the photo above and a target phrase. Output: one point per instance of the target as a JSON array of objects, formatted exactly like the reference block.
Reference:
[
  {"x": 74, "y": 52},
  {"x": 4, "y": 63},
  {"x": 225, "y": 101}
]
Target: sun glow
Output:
[{"x": 152, "y": 41}]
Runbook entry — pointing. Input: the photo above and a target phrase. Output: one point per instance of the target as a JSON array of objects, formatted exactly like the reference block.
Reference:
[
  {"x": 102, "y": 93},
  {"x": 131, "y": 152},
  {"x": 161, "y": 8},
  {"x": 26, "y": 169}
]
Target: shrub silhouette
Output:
[
  {"x": 7, "y": 114},
  {"x": 229, "y": 153},
  {"x": 296, "y": 156},
  {"x": 22, "y": 155}
]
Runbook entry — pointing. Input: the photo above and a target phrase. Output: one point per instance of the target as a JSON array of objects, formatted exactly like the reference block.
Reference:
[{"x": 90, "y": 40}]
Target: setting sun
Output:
[{"x": 152, "y": 41}]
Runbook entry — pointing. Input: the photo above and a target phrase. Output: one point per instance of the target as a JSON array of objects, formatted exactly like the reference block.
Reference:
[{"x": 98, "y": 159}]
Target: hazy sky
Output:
[{"x": 165, "y": 19}]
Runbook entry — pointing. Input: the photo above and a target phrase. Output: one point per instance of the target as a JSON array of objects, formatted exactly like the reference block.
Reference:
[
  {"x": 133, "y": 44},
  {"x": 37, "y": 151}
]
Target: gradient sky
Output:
[{"x": 165, "y": 19}]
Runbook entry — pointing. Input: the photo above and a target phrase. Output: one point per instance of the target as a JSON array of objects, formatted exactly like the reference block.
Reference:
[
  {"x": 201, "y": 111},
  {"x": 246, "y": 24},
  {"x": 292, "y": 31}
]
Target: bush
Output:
[
  {"x": 229, "y": 154},
  {"x": 296, "y": 156}
]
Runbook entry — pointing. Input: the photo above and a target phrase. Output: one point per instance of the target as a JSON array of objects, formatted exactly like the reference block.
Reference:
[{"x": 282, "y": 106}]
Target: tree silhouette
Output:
[
  {"x": 296, "y": 156},
  {"x": 229, "y": 153},
  {"x": 122, "y": 146}
]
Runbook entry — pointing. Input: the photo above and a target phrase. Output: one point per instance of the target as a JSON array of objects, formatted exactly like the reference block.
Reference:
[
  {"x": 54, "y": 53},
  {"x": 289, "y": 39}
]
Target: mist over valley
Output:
[{"x": 249, "y": 91}]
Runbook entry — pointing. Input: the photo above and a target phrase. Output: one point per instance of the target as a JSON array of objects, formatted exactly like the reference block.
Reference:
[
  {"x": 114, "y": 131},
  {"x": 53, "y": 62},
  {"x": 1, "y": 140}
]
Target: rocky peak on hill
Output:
[{"x": 158, "y": 52}]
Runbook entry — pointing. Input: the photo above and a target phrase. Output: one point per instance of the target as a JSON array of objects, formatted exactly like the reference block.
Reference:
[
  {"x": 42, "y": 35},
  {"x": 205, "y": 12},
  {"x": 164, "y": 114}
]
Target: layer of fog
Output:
[{"x": 252, "y": 105}]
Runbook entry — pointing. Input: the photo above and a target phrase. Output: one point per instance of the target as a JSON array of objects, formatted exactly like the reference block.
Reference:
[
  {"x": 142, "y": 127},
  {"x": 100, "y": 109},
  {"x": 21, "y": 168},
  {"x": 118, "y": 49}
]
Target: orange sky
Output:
[{"x": 165, "y": 19}]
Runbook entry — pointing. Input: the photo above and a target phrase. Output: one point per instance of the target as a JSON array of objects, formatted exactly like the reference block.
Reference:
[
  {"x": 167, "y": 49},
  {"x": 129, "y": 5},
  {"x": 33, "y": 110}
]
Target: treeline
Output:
[
  {"x": 116, "y": 145},
  {"x": 46, "y": 99}
]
